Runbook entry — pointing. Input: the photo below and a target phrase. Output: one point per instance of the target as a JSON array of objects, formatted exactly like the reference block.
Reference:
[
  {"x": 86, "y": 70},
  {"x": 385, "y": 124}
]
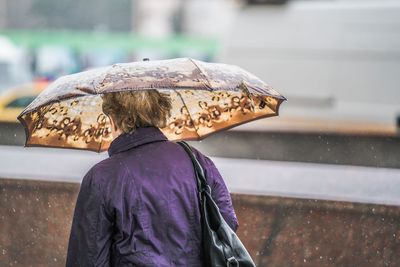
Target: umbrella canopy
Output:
[{"x": 206, "y": 98}]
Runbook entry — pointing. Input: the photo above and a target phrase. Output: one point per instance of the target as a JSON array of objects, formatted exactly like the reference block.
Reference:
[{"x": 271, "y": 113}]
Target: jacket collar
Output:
[{"x": 139, "y": 137}]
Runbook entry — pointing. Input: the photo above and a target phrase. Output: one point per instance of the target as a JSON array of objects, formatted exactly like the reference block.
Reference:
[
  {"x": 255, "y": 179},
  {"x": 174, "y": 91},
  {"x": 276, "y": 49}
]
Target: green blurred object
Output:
[{"x": 87, "y": 40}]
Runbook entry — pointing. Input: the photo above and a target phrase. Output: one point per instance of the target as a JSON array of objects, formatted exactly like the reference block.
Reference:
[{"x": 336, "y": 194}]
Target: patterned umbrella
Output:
[{"x": 206, "y": 98}]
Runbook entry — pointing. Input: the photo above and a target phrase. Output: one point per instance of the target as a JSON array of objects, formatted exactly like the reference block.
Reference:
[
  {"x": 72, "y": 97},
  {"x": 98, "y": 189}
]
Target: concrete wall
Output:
[{"x": 36, "y": 217}]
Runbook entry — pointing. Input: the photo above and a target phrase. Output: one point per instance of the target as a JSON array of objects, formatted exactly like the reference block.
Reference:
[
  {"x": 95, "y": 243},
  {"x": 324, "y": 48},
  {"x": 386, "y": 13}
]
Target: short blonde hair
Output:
[{"x": 134, "y": 109}]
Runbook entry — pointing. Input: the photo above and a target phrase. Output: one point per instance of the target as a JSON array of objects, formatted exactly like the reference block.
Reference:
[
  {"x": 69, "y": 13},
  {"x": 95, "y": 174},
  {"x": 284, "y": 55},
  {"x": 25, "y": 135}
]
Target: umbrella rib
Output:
[
  {"x": 190, "y": 115},
  {"x": 103, "y": 78},
  {"x": 204, "y": 75},
  {"x": 100, "y": 146},
  {"x": 248, "y": 93}
]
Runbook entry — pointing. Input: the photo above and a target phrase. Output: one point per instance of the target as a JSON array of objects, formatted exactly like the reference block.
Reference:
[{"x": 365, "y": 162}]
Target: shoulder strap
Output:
[{"x": 202, "y": 184}]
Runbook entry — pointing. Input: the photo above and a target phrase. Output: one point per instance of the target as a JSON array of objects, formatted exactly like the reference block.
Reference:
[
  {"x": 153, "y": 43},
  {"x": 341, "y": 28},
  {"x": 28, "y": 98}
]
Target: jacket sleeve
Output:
[
  {"x": 90, "y": 238},
  {"x": 220, "y": 193}
]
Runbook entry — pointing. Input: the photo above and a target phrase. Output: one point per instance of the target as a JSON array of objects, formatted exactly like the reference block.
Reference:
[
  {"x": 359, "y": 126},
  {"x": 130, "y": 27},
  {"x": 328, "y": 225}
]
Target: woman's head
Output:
[{"x": 133, "y": 109}]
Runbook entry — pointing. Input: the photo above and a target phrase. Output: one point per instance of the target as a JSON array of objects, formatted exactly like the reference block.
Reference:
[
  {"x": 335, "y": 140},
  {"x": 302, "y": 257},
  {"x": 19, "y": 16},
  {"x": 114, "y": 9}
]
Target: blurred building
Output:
[
  {"x": 335, "y": 61},
  {"x": 64, "y": 14},
  {"x": 146, "y": 17}
]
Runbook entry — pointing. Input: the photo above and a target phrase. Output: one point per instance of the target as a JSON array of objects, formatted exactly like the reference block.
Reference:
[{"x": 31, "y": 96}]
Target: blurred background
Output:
[{"x": 317, "y": 186}]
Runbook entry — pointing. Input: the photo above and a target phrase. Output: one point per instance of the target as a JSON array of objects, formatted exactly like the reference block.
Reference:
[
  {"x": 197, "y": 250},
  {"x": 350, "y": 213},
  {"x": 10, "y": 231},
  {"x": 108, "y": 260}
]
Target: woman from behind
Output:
[{"x": 140, "y": 207}]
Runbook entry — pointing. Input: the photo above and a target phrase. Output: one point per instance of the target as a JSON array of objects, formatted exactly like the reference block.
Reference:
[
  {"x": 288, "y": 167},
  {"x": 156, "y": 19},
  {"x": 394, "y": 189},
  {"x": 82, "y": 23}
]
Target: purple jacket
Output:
[{"x": 139, "y": 207}]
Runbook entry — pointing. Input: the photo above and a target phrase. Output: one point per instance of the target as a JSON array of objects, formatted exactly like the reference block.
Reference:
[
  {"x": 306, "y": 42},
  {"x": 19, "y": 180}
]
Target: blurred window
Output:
[{"x": 20, "y": 102}]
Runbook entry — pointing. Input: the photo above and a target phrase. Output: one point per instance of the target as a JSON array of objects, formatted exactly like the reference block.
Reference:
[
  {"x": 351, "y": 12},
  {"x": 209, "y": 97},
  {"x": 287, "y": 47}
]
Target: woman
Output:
[{"x": 139, "y": 207}]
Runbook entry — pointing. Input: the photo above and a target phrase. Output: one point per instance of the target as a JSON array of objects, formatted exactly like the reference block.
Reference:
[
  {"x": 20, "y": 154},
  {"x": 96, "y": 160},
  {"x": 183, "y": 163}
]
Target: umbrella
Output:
[{"x": 206, "y": 98}]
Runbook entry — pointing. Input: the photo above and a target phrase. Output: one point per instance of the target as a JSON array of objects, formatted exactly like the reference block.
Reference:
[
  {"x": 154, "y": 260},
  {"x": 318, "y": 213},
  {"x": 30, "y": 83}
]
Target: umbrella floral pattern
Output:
[{"x": 206, "y": 98}]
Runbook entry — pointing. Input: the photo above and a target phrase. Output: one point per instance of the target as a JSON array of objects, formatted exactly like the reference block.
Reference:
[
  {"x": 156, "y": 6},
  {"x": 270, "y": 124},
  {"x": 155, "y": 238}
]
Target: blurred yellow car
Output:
[{"x": 15, "y": 99}]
